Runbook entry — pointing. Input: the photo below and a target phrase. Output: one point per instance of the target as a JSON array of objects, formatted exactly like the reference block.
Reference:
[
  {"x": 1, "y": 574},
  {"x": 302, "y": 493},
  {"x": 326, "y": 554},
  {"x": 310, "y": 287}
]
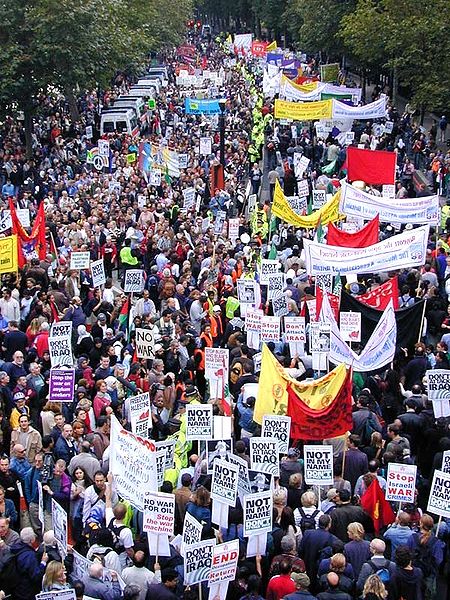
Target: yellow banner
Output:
[
  {"x": 303, "y": 111},
  {"x": 328, "y": 213},
  {"x": 272, "y": 46},
  {"x": 272, "y": 396},
  {"x": 8, "y": 254},
  {"x": 304, "y": 87}
]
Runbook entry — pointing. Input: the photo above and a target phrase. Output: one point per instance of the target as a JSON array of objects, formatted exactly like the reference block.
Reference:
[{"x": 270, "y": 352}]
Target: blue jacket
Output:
[
  {"x": 64, "y": 451},
  {"x": 30, "y": 490},
  {"x": 30, "y": 570},
  {"x": 19, "y": 467},
  {"x": 103, "y": 590}
]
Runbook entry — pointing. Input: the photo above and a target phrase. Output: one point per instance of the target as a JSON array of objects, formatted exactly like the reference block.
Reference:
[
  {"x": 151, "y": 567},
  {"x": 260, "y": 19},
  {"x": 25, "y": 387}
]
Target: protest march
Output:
[{"x": 225, "y": 335}]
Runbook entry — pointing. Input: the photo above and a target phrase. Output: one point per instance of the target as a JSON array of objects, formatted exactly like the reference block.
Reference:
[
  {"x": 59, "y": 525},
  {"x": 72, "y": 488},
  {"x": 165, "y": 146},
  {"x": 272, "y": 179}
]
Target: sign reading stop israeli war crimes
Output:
[
  {"x": 199, "y": 422},
  {"x": 258, "y": 513},
  {"x": 401, "y": 482},
  {"x": 439, "y": 499},
  {"x": 197, "y": 561},
  {"x": 264, "y": 455},
  {"x": 159, "y": 513},
  {"x": 224, "y": 482},
  {"x": 278, "y": 427},
  {"x": 145, "y": 343},
  {"x": 134, "y": 280},
  {"x": 318, "y": 465}
]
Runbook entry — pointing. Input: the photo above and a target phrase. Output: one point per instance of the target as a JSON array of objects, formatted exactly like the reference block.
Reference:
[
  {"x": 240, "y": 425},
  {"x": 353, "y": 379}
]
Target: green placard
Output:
[{"x": 151, "y": 104}]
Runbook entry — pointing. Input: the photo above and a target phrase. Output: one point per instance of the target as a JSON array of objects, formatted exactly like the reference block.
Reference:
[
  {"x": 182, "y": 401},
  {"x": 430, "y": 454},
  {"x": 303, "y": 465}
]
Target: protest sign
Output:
[
  {"x": 401, "y": 482},
  {"x": 81, "y": 566},
  {"x": 80, "y": 260},
  {"x": 57, "y": 595},
  {"x": 205, "y": 148},
  {"x": 233, "y": 229},
  {"x": 59, "y": 525},
  {"x": 224, "y": 562},
  {"x": 199, "y": 422},
  {"x": 257, "y": 510},
  {"x": 264, "y": 455},
  {"x": 278, "y": 427},
  {"x": 388, "y": 191},
  {"x": 41, "y": 516},
  {"x": 280, "y": 305},
  {"x": 319, "y": 198},
  {"x": 258, "y": 481},
  {"x": 216, "y": 363},
  {"x": 61, "y": 329},
  {"x": 300, "y": 164},
  {"x": 217, "y": 450},
  {"x": 192, "y": 532},
  {"x": 133, "y": 464},
  {"x": 303, "y": 188},
  {"x": 155, "y": 177},
  {"x": 446, "y": 461},
  {"x": 134, "y": 280},
  {"x": 197, "y": 561},
  {"x": 189, "y": 198},
  {"x": 243, "y": 482},
  {"x": 145, "y": 343},
  {"x": 61, "y": 385},
  {"x": 275, "y": 285},
  {"x": 400, "y": 251},
  {"x": 169, "y": 447},
  {"x": 257, "y": 358},
  {"x": 103, "y": 147},
  {"x": 324, "y": 281},
  {"x": 140, "y": 414},
  {"x": 253, "y": 320},
  {"x": 297, "y": 204},
  {"x": 350, "y": 326},
  {"x": 268, "y": 267},
  {"x": 159, "y": 513},
  {"x": 318, "y": 465},
  {"x": 439, "y": 498},
  {"x": 60, "y": 349},
  {"x": 438, "y": 388},
  {"x": 98, "y": 273},
  {"x": 270, "y": 329},
  {"x": 294, "y": 329},
  {"x": 160, "y": 465},
  {"x": 246, "y": 290},
  {"x": 224, "y": 482},
  {"x": 183, "y": 161}
]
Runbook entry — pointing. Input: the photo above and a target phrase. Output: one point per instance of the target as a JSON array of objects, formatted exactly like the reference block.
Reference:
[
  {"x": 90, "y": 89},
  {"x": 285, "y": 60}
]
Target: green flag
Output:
[
  {"x": 273, "y": 252},
  {"x": 329, "y": 169}
]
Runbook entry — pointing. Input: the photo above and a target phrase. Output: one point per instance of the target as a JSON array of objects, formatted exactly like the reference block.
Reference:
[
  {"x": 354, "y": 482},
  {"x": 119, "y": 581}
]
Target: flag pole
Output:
[
  {"x": 438, "y": 526},
  {"x": 422, "y": 320}
]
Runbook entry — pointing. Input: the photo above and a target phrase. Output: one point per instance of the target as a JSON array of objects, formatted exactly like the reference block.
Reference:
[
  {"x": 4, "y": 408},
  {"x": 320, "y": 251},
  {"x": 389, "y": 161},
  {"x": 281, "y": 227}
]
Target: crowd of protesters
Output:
[{"x": 322, "y": 545}]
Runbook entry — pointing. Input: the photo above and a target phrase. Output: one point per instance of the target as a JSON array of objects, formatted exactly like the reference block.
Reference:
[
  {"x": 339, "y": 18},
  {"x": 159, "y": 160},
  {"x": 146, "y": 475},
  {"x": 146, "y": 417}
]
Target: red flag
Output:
[
  {"x": 334, "y": 420},
  {"x": 334, "y": 300},
  {"x": 259, "y": 48},
  {"x": 379, "y": 297},
  {"x": 367, "y": 236},
  {"x": 371, "y": 166},
  {"x": 377, "y": 507},
  {"x": 30, "y": 245}
]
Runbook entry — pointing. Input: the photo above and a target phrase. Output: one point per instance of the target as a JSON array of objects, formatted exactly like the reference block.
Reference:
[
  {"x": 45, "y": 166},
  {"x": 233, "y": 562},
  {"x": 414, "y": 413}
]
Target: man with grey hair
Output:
[
  {"x": 289, "y": 552},
  {"x": 377, "y": 564},
  {"x": 29, "y": 568},
  {"x": 95, "y": 587},
  {"x": 86, "y": 460}
]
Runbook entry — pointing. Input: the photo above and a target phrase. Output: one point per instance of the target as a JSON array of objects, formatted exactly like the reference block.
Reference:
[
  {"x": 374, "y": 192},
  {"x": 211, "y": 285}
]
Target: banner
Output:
[
  {"x": 159, "y": 513},
  {"x": 318, "y": 465},
  {"x": 59, "y": 526},
  {"x": 153, "y": 156},
  {"x": 380, "y": 296},
  {"x": 417, "y": 211},
  {"x": 224, "y": 562},
  {"x": 197, "y": 561},
  {"x": 243, "y": 41},
  {"x": 29, "y": 245},
  {"x": 401, "y": 483},
  {"x": 199, "y": 422},
  {"x": 297, "y": 111},
  {"x": 400, "y": 251},
  {"x": 195, "y": 106},
  {"x": 371, "y": 166},
  {"x": 293, "y": 92},
  {"x": 277, "y": 427},
  {"x": 259, "y": 48},
  {"x": 224, "y": 482},
  {"x": 57, "y": 595},
  {"x": 367, "y": 236},
  {"x": 140, "y": 416},
  {"x": 271, "y": 80},
  {"x": 62, "y": 385},
  {"x": 373, "y": 110},
  {"x": 264, "y": 455},
  {"x": 438, "y": 391},
  {"x": 327, "y": 213},
  {"x": 133, "y": 464},
  {"x": 8, "y": 254},
  {"x": 257, "y": 510},
  {"x": 145, "y": 343},
  {"x": 98, "y": 273},
  {"x": 439, "y": 498}
]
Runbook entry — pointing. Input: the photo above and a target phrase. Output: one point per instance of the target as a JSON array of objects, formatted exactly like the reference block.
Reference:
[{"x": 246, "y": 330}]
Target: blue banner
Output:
[{"x": 194, "y": 106}]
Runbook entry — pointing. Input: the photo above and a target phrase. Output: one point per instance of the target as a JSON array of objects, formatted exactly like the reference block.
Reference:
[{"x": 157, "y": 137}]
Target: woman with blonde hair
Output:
[
  {"x": 48, "y": 412},
  {"x": 338, "y": 565},
  {"x": 55, "y": 577},
  {"x": 357, "y": 550},
  {"x": 374, "y": 589}
]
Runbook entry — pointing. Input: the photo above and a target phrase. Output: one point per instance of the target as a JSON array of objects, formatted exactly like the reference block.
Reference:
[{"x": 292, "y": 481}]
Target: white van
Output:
[
  {"x": 134, "y": 102},
  {"x": 119, "y": 120},
  {"x": 153, "y": 83},
  {"x": 143, "y": 91},
  {"x": 159, "y": 71}
]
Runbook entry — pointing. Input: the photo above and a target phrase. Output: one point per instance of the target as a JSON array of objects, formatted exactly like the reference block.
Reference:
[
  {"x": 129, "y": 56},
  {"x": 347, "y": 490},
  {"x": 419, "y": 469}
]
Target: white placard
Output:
[
  {"x": 318, "y": 465},
  {"x": 279, "y": 428},
  {"x": 145, "y": 343},
  {"x": 446, "y": 461},
  {"x": 224, "y": 482},
  {"x": 270, "y": 329},
  {"x": 59, "y": 524},
  {"x": 303, "y": 188},
  {"x": 268, "y": 267},
  {"x": 401, "y": 483},
  {"x": 80, "y": 260},
  {"x": 258, "y": 510},
  {"x": 439, "y": 498},
  {"x": 98, "y": 273},
  {"x": 438, "y": 389},
  {"x": 60, "y": 350},
  {"x": 140, "y": 415},
  {"x": 233, "y": 230},
  {"x": 294, "y": 329},
  {"x": 155, "y": 177},
  {"x": 199, "y": 422},
  {"x": 319, "y": 198},
  {"x": 197, "y": 561},
  {"x": 275, "y": 285},
  {"x": 350, "y": 326},
  {"x": 205, "y": 146},
  {"x": 159, "y": 513},
  {"x": 134, "y": 280},
  {"x": 61, "y": 329},
  {"x": 264, "y": 455},
  {"x": 103, "y": 147},
  {"x": 192, "y": 532},
  {"x": 224, "y": 562},
  {"x": 388, "y": 191}
]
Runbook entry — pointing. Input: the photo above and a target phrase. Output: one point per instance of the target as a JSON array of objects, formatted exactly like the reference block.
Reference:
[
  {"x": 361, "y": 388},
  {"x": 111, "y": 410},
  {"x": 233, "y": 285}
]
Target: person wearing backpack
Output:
[
  {"x": 308, "y": 515},
  {"x": 122, "y": 534},
  {"x": 427, "y": 553},
  {"x": 377, "y": 565},
  {"x": 365, "y": 421}
]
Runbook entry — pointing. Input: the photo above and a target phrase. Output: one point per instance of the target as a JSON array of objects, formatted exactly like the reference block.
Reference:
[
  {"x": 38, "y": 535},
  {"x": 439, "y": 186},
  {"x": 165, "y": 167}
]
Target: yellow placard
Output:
[
  {"x": 8, "y": 254},
  {"x": 304, "y": 87},
  {"x": 328, "y": 213},
  {"x": 272, "y": 46},
  {"x": 303, "y": 111}
]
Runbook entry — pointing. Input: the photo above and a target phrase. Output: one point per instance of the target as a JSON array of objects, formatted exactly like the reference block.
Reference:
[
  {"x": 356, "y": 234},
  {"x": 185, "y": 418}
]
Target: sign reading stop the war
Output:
[{"x": 401, "y": 482}]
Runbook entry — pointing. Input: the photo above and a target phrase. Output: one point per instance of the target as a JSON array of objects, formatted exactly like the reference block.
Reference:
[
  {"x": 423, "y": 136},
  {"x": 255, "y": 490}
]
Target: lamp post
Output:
[{"x": 222, "y": 105}]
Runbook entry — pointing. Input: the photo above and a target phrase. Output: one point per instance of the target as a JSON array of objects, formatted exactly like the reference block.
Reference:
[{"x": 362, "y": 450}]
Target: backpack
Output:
[
  {"x": 422, "y": 557},
  {"x": 115, "y": 530},
  {"x": 307, "y": 521},
  {"x": 9, "y": 575},
  {"x": 382, "y": 572},
  {"x": 367, "y": 430}
]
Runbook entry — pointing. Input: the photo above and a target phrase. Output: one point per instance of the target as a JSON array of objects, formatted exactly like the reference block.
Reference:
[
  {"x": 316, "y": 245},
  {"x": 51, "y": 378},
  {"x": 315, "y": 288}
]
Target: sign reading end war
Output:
[
  {"x": 264, "y": 455},
  {"x": 401, "y": 482},
  {"x": 277, "y": 427},
  {"x": 258, "y": 513},
  {"x": 439, "y": 499},
  {"x": 199, "y": 422},
  {"x": 319, "y": 465},
  {"x": 224, "y": 562}
]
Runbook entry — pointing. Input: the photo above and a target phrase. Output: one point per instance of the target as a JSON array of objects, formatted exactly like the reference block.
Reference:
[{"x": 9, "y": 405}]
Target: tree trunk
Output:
[
  {"x": 28, "y": 125},
  {"x": 394, "y": 86},
  {"x": 422, "y": 113},
  {"x": 364, "y": 84},
  {"x": 74, "y": 112}
]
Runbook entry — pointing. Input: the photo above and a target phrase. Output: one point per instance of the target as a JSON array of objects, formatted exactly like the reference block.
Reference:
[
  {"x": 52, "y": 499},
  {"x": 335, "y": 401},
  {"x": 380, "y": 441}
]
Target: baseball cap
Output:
[
  {"x": 217, "y": 308},
  {"x": 19, "y": 396},
  {"x": 292, "y": 452},
  {"x": 301, "y": 578},
  {"x": 101, "y": 317}
]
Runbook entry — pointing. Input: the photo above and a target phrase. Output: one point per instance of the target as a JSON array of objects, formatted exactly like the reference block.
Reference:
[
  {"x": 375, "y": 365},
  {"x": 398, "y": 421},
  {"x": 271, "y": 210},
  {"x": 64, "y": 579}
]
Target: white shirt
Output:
[{"x": 142, "y": 577}]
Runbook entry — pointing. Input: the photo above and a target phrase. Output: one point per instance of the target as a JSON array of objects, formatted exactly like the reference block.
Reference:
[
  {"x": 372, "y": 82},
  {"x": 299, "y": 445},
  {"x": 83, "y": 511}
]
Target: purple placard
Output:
[{"x": 62, "y": 385}]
